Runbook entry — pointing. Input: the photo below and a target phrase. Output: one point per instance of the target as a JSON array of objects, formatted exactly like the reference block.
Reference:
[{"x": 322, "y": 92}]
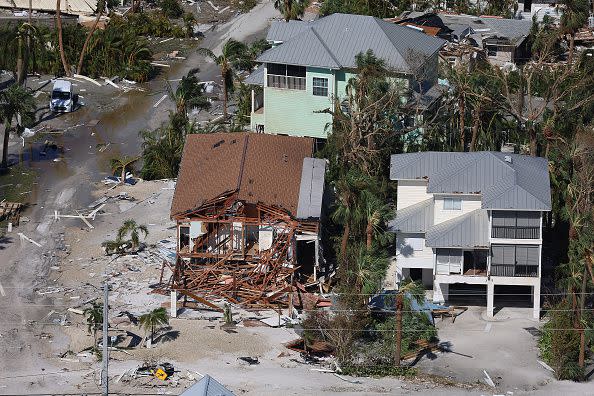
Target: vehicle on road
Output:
[{"x": 62, "y": 99}]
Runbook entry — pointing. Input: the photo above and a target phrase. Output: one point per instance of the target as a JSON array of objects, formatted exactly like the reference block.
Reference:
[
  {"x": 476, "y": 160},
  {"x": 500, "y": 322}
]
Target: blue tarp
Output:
[{"x": 386, "y": 302}]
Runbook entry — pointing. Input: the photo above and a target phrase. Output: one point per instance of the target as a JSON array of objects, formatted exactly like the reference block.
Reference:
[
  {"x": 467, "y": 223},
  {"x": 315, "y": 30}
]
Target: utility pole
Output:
[{"x": 105, "y": 337}]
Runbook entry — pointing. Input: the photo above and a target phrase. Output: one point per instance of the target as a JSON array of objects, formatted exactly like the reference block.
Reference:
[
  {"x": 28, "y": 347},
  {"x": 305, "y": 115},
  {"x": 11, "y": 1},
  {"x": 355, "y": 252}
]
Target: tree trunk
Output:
[
  {"x": 582, "y": 355},
  {"x": 60, "y": 41},
  {"x": 123, "y": 174},
  {"x": 398, "y": 351},
  {"x": 369, "y": 233},
  {"x": 344, "y": 242},
  {"x": 462, "y": 110},
  {"x": 100, "y": 7},
  {"x": 533, "y": 141},
  {"x": 476, "y": 122},
  {"x": 225, "y": 93},
  {"x": 571, "y": 49},
  {"x": 20, "y": 65},
  {"x": 5, "y": 146}
]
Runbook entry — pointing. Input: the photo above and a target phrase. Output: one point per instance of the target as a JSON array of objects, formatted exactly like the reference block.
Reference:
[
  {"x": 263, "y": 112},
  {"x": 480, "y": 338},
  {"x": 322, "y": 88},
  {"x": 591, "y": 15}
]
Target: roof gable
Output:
[{"x": 470, "y": 230}]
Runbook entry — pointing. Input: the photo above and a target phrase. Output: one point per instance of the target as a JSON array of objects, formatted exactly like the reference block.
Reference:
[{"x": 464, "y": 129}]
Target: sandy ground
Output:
[{"x": 41, "y": 341}]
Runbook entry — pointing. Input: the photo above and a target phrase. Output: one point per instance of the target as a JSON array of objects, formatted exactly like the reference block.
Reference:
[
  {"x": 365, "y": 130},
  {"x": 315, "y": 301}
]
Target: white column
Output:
[
  {"x": 317, "y": 257},
  {"x": 173, "y": 307},
  {"x": 490, "y": 298},
  {"x": 536, "y": 299},
  {"x": 440, "y": 292}
]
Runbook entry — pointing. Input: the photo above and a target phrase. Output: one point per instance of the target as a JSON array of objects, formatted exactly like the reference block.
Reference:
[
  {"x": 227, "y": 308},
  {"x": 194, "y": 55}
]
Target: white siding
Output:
[
  {"x": 411, "y": 192},
  {"x": 469, "y": 203},
  {"x": 407, "y": 257}
]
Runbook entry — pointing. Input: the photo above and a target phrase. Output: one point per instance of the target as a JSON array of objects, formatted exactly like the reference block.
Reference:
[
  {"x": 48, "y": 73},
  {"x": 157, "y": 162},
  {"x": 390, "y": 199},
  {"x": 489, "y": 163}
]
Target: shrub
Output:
[{"x": 171, "y": 8}]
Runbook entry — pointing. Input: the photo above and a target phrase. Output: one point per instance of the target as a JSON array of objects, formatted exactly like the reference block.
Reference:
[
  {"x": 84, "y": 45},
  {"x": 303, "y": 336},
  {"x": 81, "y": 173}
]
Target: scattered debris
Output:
[
  {"x": 159, "y": 101},
  {"x": 488, "y": 379},
  {"x": 23, "y": 236},
  {"x": 249, "y": 360}
]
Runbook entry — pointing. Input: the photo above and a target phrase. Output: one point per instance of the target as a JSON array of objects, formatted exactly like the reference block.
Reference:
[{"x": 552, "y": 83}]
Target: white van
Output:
[{"x": 62, "y": 99}]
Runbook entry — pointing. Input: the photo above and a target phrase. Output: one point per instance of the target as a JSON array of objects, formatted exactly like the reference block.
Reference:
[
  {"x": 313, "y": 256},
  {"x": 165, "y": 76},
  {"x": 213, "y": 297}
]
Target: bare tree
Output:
[{"x": 60, "y": 41}]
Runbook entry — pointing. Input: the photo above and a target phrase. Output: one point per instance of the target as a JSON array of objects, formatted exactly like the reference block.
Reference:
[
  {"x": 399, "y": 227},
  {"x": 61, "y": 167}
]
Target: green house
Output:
[{"x": 310, "y": 64}]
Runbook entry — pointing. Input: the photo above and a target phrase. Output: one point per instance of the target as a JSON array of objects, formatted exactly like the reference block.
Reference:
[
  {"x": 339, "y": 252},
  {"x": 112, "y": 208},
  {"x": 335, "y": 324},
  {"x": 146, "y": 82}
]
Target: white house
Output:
[{"x": 471, "y": 218}]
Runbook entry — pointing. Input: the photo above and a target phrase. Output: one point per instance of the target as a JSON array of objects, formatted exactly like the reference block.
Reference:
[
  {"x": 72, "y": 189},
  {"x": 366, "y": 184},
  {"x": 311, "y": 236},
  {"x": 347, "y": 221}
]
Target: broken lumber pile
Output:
[{"x": 11, "y": 211}]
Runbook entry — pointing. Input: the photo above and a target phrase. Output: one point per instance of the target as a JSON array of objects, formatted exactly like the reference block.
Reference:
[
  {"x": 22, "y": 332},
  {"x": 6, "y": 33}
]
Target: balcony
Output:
[
  {"x": 514, "y": 270},
  {"x": 286, "y": 82},
  {"x": 513, "y": 232}
]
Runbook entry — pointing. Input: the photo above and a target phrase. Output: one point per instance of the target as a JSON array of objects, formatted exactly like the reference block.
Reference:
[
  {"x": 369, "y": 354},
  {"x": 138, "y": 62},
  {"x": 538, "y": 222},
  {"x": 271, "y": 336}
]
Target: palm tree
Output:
[
  {"x": 25, "y": 30},
  {"x": 377, "y": 213},
  {"x": 99, "y": 12},
  {"x": 189, "y": 22},
  {"x": 408, "y": 290},
  {"x": 348, "y": 210},
  {"x": 189, "y": 94},
  {"x": 60, "y": 41},
  {"x": 14, "y": 102},
  {"x": 233, "y": 53},
  {"x": 157, "y": 317},
  {"x": 131, "y": 227},
  {"x": 575, "y": 14},
  {"x": 94, "y": 315},
  {"x": 291, "y": 9},
  {"x": 122, "y": 164}
]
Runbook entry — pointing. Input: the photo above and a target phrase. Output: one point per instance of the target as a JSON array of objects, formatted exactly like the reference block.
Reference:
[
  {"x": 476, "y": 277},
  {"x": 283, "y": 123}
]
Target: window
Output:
[
  {"x": 320, "y": 86},
  {"x": 515, "y": 225},
  {"x": 514, "y": 260},
  {"x": 449, "y": 261},
  {"x": 491, "y": 50},
  {"x": 285, "y": 76},
  {"x": 452, "y": 204}
]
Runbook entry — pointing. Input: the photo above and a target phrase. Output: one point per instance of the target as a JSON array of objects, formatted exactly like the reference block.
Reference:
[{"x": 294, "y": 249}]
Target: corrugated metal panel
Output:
[
  {"x": 416, "y": 218},
  {"x": 334, "y": 41},
  {"x": 520, "y": 184},
  {"x": 283, "y": 31},
  {"x": 66, "y": 6},
  {"x": 256, "y": 78},
  {"x": 311, "y": 189},
  {"x": 468, "y": 231},
  {"x": 305, "y": 49},
  {"x": 207, "y": 386}
]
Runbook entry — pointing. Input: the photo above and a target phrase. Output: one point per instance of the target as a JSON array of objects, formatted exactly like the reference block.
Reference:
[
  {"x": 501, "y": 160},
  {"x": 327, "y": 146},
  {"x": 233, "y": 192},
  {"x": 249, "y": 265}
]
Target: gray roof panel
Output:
[
  {"x": 256, "y": 78},
  {"x": 416, "y": 218},
  {"x": 334, "y": 41},
  {"x": 470, "y": 230},
  {"x": 207, "y": 386},
  {"x": 281, "y": 31},
  {"x": 311, "y": 189},
  {"x": 522, "y": 184},
  {"x": 305, "y": 49}
]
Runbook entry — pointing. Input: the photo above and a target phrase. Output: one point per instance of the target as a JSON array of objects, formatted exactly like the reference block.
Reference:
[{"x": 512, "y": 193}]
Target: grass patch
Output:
[
  {"x": 379, "y": 370},
  {"x": 17, "y": 183}
]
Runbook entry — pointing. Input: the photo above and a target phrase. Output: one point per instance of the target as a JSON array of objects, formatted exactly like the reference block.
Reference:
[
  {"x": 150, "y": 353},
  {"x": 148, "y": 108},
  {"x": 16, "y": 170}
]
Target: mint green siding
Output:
[{"x": 293, "y": 112}]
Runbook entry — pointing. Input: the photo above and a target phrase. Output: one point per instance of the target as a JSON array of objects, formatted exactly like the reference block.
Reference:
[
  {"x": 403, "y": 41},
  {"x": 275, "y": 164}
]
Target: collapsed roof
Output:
[{"x": 271, "y": 169}]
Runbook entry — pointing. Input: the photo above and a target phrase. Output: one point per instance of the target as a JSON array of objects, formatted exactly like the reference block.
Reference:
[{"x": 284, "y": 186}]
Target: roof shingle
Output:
[{"x": 264, "y": 168}]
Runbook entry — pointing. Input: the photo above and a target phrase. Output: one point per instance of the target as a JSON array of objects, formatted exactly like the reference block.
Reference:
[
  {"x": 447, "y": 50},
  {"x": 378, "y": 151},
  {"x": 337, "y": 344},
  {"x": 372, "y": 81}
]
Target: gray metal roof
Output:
[
  {"x": 515, "y": 30},
  {"x": 333, "y": 42},
  {"x": 256, "y": 78},
  {"x": 207, "y": 386},
  {"x": 282, "y": 31},
  {"x": 470, "y": 230},
  {"x": 416, "y": 218},
  {"x": 522, "y": 184},
  {"x": 311, "y": 189}
]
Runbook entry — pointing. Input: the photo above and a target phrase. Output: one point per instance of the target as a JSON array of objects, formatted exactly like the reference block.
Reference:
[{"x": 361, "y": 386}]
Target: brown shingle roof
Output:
[{"x": 265, "y": 168}]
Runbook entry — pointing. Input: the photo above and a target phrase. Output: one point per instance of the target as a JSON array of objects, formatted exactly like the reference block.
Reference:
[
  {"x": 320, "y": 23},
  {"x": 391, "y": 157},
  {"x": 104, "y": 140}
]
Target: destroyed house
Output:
[
  {"x": 247, "y": 208},
  {"x": 498, "y": 40}
]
